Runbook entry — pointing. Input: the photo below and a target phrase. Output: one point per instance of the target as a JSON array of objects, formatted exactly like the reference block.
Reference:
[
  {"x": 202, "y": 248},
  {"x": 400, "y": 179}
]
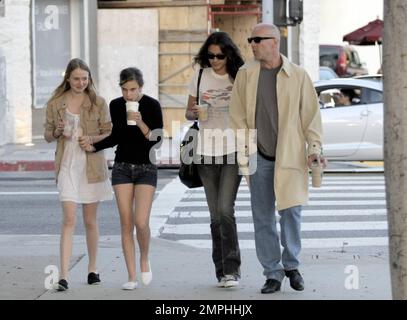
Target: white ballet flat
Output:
[
  {"x": 131, "y": 285},
  {"x": 147, "y": 277}
]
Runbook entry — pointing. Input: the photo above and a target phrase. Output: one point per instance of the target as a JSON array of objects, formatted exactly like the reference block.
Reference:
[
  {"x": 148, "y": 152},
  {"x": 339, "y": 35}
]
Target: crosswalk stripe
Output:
[
  {"x": 339, "y": 202},
  {"x": 348, "y": 178},
  {"x": 311, "y": 190},
  {"x": 201, "y": 197},
  {"x": 305, "y": 243},
  {"x": 19, "y": 193},
  {"x": 304, "y": 213},
  {"x": 310, "y": 226},
  {"x": 345, "y": 211}
]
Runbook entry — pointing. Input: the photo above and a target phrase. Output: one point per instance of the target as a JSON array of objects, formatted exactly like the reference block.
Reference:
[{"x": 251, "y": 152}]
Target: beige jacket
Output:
[
  {"x": 94, "y": 120},
  {"x": 299, "y": 127}
]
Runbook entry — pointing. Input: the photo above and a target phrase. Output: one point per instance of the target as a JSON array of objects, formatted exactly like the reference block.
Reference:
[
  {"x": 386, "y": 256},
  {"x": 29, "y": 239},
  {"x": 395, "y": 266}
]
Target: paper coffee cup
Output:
[
  {"x": 316, "y": 174},
  {"x": 203, "y": 112},
  {"x": 131, "y": 106}
]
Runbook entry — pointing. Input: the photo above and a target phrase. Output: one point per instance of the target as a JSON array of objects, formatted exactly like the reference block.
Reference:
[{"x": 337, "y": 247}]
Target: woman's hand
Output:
[
  {"x": 135, "y": 116},
  {"x": 85, "y": 142},
  {"x": 138, "y": 118},
  {"x": 193, "y": 112},
  {"x": 59, "y": 129}
]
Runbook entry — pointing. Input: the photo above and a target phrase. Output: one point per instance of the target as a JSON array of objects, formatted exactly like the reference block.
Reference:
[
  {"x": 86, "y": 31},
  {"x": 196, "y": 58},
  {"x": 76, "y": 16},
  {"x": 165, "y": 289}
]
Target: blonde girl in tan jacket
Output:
[{"x": 75, "y": 112}]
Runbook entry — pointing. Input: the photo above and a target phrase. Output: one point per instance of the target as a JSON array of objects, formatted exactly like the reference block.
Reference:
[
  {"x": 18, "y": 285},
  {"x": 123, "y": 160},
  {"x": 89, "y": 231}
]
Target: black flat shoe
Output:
[
  {"x": 93, "y": 278},
  {"x": 62, "y": 285},
  {"x": 296, "y": 280},
  {"x": 271, "y": 286}
]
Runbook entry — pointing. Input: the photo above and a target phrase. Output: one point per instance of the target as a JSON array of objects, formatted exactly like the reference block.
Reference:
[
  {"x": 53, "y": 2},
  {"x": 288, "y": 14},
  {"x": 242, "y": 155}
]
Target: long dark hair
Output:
[
  {"x": 222, "y": 39},
  {"x": 65, "y": 86}
]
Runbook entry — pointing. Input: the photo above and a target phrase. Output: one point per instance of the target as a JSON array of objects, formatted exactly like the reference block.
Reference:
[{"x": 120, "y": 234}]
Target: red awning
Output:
[{"x": 369, "y": 34}]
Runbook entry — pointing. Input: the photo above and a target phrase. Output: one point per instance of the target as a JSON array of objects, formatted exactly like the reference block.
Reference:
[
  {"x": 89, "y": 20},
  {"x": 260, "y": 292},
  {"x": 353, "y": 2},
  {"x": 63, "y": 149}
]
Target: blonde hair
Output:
[{"x": 65, "y": 86}]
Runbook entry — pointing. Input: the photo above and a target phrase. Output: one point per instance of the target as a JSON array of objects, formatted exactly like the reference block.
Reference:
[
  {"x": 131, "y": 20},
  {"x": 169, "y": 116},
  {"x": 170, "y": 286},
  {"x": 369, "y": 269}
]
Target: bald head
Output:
[{"x": 268, "y": 29}]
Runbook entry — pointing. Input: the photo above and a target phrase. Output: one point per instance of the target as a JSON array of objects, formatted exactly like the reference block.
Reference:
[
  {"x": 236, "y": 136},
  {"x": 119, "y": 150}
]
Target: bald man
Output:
[{"x": 277, "y": 99}]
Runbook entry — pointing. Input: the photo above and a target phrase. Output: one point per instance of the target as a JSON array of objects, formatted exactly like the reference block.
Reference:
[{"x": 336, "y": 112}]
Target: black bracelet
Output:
[{"x": 146, "y": 135}]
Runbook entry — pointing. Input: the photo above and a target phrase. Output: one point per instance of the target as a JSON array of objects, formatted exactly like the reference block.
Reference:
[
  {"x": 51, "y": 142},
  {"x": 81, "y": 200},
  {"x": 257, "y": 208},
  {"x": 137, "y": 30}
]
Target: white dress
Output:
[{"x": 72, "y": 180}]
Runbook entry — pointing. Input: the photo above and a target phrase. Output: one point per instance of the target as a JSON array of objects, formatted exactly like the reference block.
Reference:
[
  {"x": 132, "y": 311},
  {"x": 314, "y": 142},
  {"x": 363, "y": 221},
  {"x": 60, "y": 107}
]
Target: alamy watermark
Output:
[
  {"x": 352, "y": 280},
  {"x": 242, "y": 142},
  {"x": 52, "y": 278}
]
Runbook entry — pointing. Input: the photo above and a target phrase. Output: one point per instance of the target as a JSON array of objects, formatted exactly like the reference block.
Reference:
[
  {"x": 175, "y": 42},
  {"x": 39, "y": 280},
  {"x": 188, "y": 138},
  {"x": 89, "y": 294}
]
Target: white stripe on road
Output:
[
  {"x": 322, "y": 195},
  {"x": 197, "y": 195},
  {"x": 306, "y": 243},
  {"x": 20, "y": 193},
  {"x": 200, "y": 228},
  {"x": 348, "y": 188},
  {"x": 361, "y": 178},
  {"x": 339, "y": 202},
  {"x": 313, "y": 190},
  {"x": 304, "y": 213}
]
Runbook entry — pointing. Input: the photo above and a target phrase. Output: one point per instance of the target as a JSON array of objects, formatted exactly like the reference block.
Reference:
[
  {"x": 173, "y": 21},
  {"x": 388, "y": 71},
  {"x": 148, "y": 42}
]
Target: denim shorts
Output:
[{"x": 134, "y": 173}]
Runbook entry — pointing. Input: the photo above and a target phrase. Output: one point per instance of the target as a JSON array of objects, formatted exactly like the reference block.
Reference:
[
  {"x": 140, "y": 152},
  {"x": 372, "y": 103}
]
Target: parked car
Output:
[
  {"x": 344, "y": 60},
  {"x": 373, "y": 77},
  {"x": 326, "y": 73},
  {"x": 353, "y": 131}
]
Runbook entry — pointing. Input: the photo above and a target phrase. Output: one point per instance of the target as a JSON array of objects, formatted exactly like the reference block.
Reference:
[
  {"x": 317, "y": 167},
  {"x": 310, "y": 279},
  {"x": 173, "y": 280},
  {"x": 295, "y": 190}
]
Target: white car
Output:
[{"x": 351, "y": 131}]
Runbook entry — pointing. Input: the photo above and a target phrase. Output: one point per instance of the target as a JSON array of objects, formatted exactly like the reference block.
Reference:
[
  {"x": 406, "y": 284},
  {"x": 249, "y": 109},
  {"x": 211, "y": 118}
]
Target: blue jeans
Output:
[
  {"x": 265, "y": 229},
  {"x": 221, "y": 182}
]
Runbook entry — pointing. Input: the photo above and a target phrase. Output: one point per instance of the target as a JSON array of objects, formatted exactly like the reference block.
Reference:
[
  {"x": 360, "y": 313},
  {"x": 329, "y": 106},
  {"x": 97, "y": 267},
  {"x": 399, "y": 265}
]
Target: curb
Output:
[
  {"x": 48, "y": 165},
  {"x": 27, "y": 166}
]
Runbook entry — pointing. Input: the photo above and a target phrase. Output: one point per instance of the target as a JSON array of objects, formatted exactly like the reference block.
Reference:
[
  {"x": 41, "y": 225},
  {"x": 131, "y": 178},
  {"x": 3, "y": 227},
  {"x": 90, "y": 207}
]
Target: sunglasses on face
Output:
[
  {"x": 219, "y": 56},
  {"x": 258, "y": 39}
]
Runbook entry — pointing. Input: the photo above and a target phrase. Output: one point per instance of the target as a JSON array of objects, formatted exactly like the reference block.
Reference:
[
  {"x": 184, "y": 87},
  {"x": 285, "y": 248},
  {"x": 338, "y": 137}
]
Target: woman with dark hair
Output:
[
  {"x": 76, "y": 112},
  {"x": 219, "y": 60},
  {"x": 134, "y": 174}
]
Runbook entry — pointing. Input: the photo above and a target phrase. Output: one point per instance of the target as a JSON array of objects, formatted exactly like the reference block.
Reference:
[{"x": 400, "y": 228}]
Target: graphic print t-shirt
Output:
[{"x": 215, "y": 136}]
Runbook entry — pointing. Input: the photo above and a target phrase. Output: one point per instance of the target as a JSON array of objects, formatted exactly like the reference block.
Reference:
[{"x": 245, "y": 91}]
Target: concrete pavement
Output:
[{"x": 185, "y": 273}]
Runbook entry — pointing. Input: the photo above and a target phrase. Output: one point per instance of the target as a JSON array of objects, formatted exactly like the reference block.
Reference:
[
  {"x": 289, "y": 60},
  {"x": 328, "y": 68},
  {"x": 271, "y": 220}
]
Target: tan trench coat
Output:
[
  {"x": 94, "y": 120},
  {"x": 299, "y": 127}
]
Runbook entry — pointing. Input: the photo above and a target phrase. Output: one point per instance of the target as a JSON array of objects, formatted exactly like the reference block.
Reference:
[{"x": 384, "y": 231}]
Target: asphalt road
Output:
[{"x": 40, "y": 212}]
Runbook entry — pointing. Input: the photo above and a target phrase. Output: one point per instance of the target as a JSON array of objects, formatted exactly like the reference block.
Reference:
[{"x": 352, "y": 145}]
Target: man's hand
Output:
[{"x": 321, "y": 160}]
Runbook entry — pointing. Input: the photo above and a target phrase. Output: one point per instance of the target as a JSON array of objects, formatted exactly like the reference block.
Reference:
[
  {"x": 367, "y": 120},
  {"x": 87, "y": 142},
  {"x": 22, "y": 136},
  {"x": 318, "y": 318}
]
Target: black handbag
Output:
[{"x": 188, "y": 171}]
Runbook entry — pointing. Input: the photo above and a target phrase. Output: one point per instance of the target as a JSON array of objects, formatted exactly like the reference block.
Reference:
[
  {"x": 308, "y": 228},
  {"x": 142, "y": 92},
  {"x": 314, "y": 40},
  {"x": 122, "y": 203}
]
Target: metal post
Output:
[
  {"x": 2, "y": 9},
  {"x": 267, "y": 11}
]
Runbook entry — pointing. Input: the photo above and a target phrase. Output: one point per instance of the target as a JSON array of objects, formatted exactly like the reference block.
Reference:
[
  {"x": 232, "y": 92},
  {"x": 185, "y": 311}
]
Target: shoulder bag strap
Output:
[{"x": 197, "y": 91}]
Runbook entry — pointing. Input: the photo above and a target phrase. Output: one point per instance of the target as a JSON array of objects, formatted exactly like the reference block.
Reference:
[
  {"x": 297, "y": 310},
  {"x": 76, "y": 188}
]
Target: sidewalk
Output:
[{"x": 185, "y": 273}]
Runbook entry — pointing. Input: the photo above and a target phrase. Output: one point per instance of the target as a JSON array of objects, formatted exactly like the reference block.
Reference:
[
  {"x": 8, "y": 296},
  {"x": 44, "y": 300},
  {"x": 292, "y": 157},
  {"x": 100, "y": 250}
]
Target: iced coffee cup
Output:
[
  {"x": 316, "y": 174},
  {"x": 131, "y": 106},
  {"x": 68, "y": 126},
  {"x": 202, "y": 112},
  {"x": 78, "y": 133}
]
